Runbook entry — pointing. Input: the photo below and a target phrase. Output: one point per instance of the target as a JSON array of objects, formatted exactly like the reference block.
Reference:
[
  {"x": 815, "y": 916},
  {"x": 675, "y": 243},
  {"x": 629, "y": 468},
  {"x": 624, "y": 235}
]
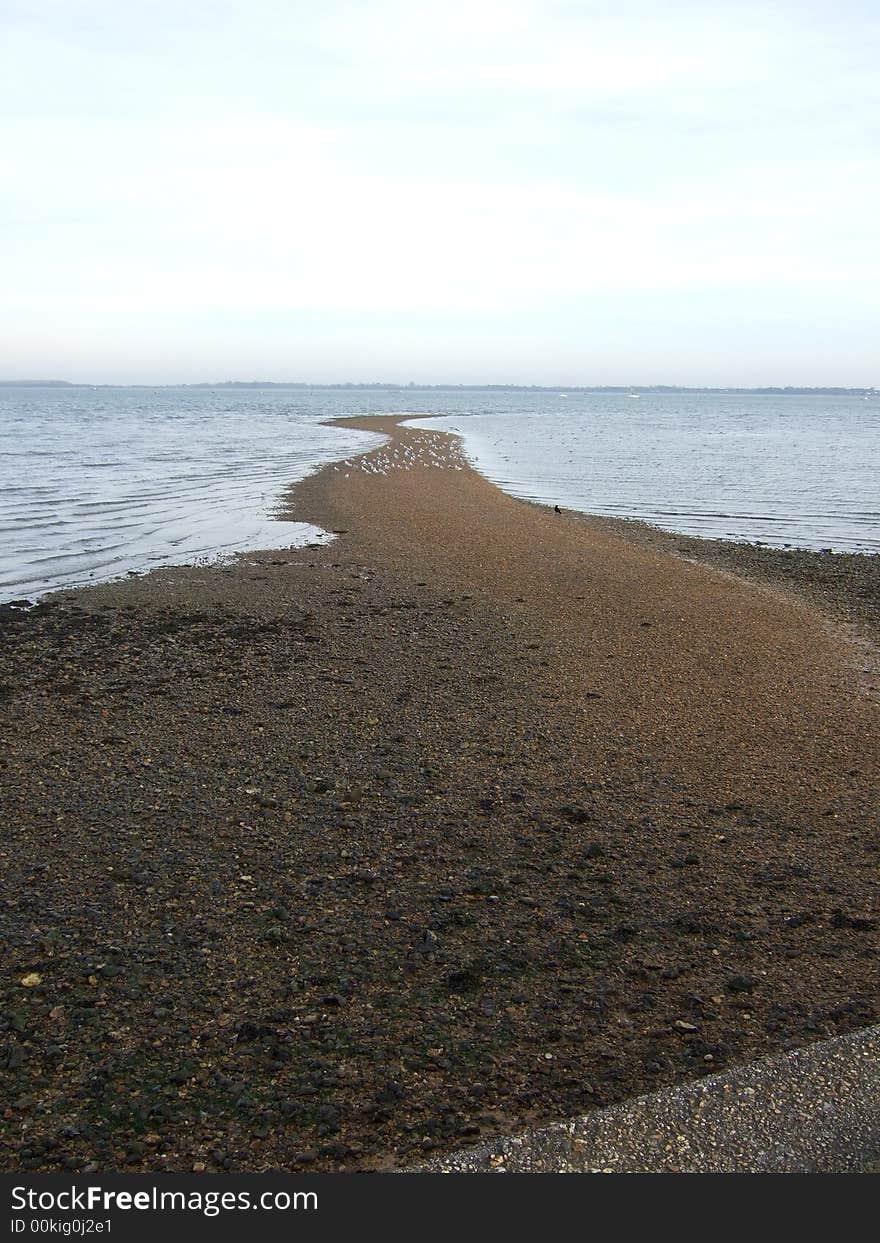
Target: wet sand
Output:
[{"x": 479, "y": 817}]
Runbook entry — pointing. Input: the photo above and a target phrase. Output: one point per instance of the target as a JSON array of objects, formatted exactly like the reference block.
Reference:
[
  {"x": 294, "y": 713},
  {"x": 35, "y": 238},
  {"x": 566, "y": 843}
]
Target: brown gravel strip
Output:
[
  {"x": 479, "y": 817},
  {"x": 846, "y": 584}
]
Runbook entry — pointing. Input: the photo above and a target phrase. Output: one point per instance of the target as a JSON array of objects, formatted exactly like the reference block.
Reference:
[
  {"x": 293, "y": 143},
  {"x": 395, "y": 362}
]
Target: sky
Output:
[{"x": 473, "y": 191}]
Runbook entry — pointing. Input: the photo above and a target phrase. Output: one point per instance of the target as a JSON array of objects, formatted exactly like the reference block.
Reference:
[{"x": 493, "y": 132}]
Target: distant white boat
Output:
[{"x": 563, "y": 394}]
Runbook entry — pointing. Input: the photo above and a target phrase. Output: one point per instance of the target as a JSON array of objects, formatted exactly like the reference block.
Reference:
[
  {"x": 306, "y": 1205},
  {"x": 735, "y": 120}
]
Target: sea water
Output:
[
  {"x": 793, "y": 470},
  {"x": 99, "y": 482}
]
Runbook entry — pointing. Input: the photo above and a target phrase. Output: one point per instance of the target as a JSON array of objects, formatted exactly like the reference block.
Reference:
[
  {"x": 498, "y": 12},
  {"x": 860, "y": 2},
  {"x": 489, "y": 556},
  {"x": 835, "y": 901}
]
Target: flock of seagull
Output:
[{"x": 432, "y": 450}]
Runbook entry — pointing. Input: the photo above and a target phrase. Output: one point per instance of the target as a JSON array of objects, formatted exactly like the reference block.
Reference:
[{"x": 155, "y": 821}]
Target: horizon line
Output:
[{"x": 448, "y": 385}]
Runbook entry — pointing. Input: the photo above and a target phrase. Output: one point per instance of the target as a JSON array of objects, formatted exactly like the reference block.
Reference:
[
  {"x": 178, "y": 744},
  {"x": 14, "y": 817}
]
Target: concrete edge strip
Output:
[{"x": 813, "y": 1110}]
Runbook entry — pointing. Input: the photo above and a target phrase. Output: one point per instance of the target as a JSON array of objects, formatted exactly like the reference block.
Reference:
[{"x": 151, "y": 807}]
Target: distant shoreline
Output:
[{"x": 769, "y": 390}]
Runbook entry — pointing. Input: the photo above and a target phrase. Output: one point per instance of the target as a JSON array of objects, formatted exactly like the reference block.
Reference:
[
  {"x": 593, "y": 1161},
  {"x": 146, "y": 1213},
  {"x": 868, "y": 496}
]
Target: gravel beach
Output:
[{"x": 477, "y": 818}]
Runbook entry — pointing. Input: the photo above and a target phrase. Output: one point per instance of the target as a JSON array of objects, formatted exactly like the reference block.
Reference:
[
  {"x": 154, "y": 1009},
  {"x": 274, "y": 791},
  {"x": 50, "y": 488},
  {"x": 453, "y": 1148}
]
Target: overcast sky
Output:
[{"x": 471, "y": 190}]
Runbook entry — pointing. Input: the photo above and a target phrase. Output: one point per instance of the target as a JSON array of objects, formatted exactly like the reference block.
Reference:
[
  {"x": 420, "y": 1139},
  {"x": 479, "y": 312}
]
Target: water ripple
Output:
[{"x": 97, "y": 483}]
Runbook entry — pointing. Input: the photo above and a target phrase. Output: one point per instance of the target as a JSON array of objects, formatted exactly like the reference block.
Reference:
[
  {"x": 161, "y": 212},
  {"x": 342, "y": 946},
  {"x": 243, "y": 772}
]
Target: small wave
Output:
[{"x": 93, "y": 485}]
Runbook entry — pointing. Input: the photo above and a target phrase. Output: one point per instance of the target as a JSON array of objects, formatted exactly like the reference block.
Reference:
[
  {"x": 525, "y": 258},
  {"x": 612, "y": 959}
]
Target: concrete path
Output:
[{"x": 814, "y": 1110}]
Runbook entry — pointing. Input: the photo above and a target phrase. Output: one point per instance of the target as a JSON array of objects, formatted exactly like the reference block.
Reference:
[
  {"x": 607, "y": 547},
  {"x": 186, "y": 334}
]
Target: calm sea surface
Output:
[{"x": 96, "y": 483}]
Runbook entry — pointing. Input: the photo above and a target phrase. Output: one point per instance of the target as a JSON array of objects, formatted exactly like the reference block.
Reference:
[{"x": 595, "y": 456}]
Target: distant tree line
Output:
[{"x": 464, "y": 388}]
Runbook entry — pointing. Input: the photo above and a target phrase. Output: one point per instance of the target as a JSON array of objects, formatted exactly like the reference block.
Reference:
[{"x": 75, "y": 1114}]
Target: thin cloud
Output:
[{"x": 516, "y": 162}]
